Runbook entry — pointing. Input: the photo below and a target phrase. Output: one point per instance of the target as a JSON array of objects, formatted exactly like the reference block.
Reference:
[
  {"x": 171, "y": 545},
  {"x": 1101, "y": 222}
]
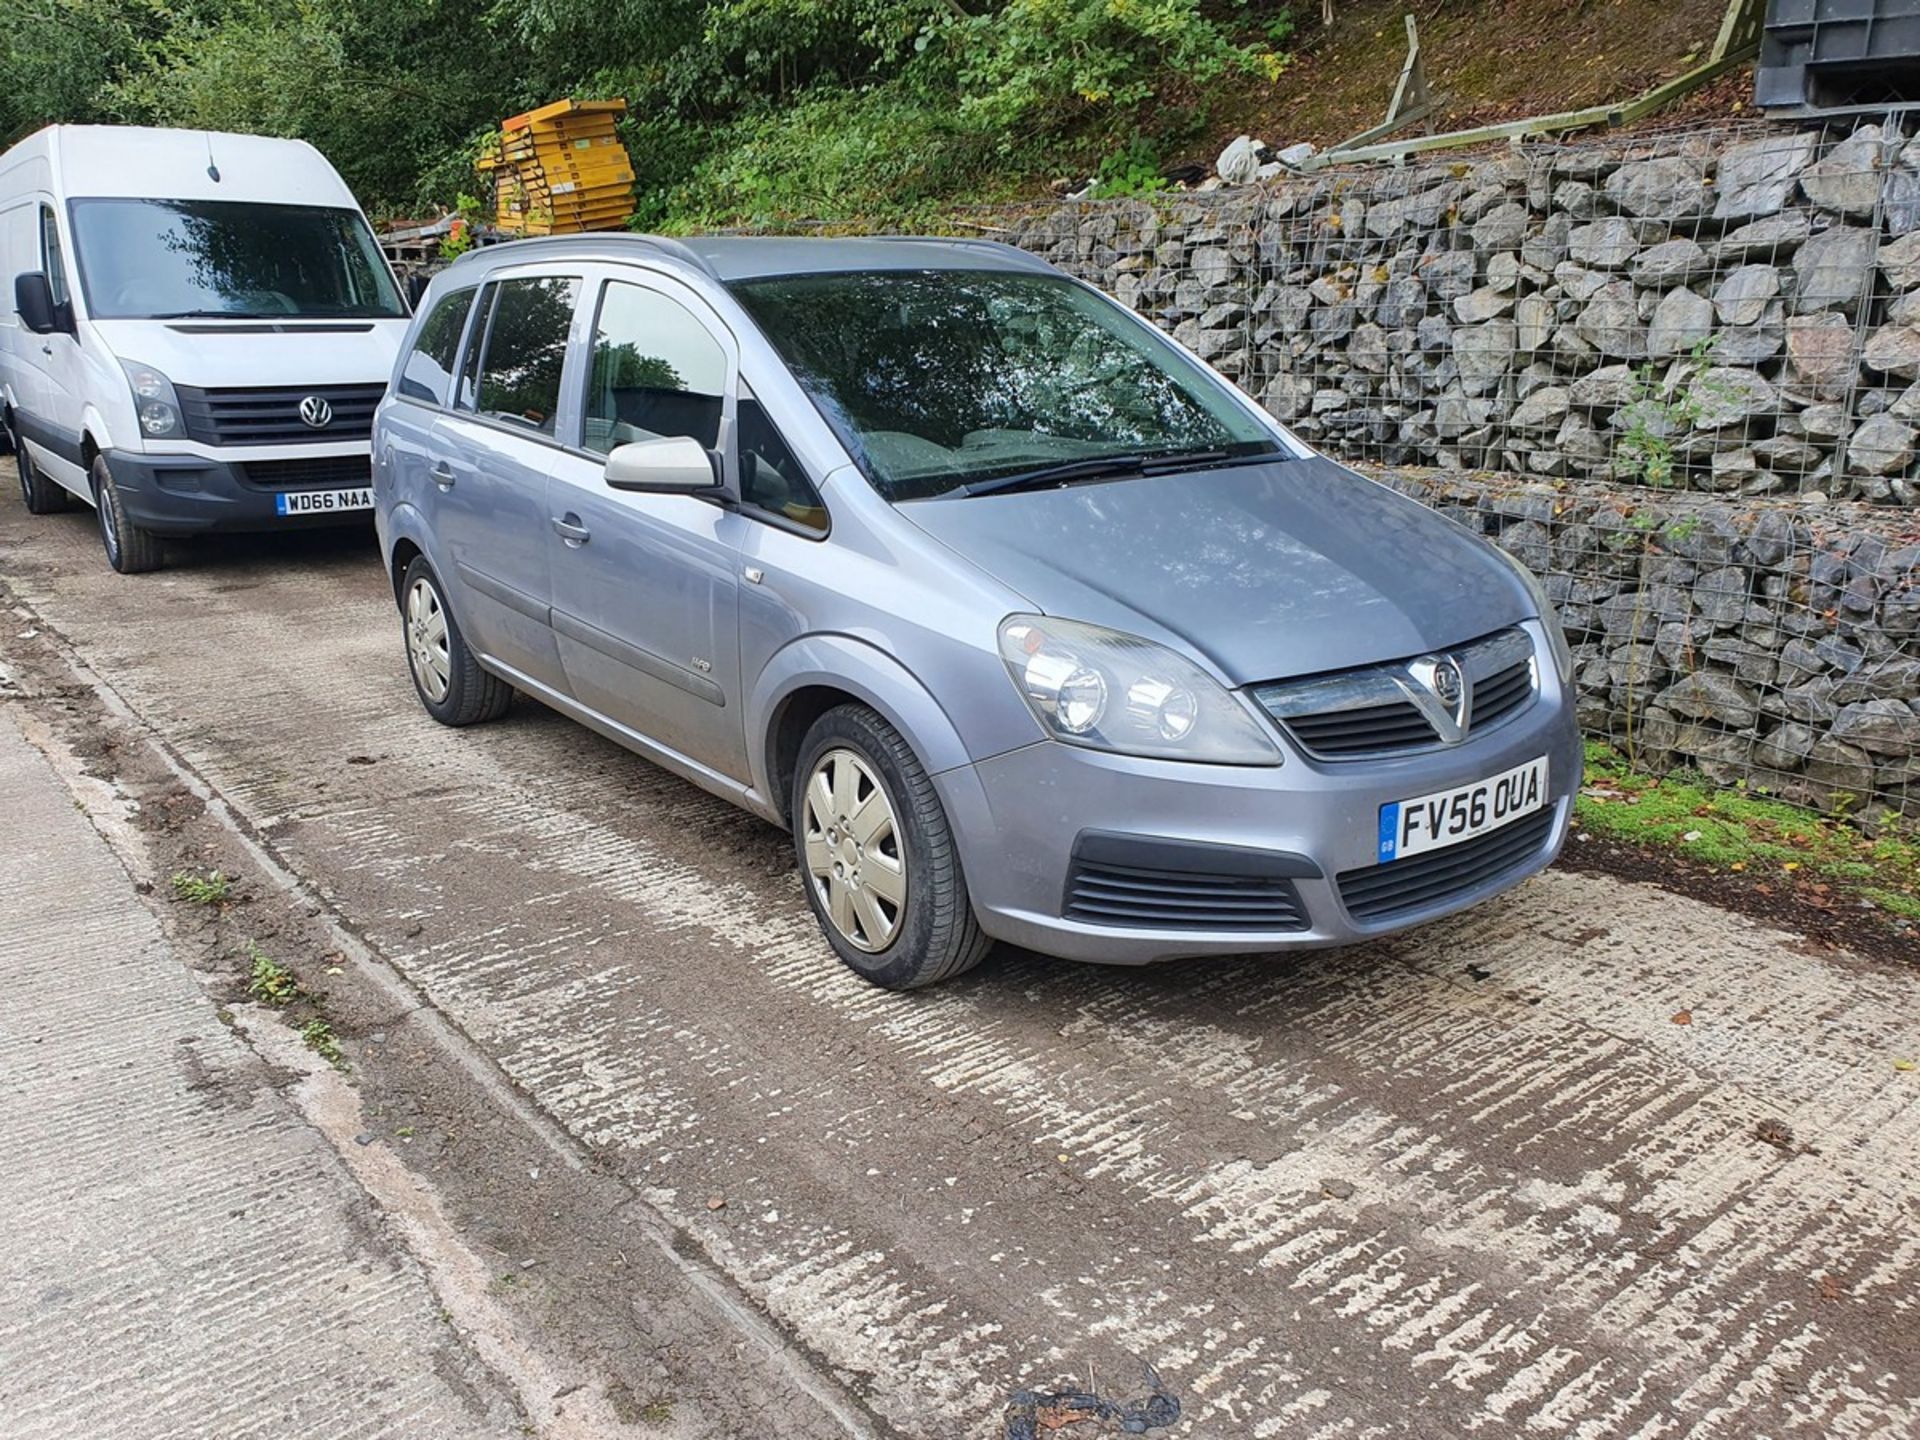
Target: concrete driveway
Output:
[{"x": 1474, "y": 1180}]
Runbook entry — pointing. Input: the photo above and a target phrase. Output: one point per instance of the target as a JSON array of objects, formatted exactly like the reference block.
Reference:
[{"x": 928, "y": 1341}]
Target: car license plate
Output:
[
  {"x": 1447, "y": 817},
  {"x": 322, "y": 502}
]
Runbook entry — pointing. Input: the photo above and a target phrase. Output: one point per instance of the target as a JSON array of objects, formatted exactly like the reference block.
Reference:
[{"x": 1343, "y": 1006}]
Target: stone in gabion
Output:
[
  {"x": 1607, "y": 244},
  {"x": 1501, "y": 228},
  {"x": 1680, "y": 321},
  {"x": 1847, "y": 179},
  {"x": 1672, "y": 262},
  {"x": 1900, "y": 262},
  {"x": 1880, "y": 446},
  {"x": 1483, "y": 353},
  {"x": 1611, "y": 322},
  {"x": 1725, "y": 395},
  {"x": 1756, "y": 178},
  {"x": 1882, "y": 727},
  {"x": 1706, "y": 695},
  {"x": 1895, "y": 350},
  {"x": 1820, "y": 354},
  {"x": 1668, "y": 188},
  {"x": 1834, "y": 269},
  {"x": 1742, "y": 296},
  {"x": 1770, "y": 241}
]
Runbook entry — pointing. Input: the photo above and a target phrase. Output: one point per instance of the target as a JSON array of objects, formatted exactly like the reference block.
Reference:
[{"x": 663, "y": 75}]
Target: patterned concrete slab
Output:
[{"x": 180, "y": 1254}]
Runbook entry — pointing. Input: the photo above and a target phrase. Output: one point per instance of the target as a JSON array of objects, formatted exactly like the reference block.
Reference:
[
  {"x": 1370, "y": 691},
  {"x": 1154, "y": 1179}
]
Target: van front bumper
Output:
[
  {"x": 1035, "y": 824},
  {"x": 195, "y": 495}
]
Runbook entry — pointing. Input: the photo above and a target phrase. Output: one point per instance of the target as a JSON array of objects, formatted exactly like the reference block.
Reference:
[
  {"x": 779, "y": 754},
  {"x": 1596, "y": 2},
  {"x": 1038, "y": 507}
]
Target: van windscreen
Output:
[{"x": 173, "y": 259}]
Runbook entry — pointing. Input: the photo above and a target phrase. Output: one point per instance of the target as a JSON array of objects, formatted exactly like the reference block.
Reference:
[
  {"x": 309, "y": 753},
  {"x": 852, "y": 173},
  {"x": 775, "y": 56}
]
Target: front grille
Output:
[
  {"x": 272, "y": 416},
  {"x": 1355, "y": 714},
  {"x": 320, "y": 473},
  {"x": 1501, "y": 694},
  {"x": 1363, "y": 730},
  {"x": 1380, "y": 892},
  {"x": 1124, "y": 895}
]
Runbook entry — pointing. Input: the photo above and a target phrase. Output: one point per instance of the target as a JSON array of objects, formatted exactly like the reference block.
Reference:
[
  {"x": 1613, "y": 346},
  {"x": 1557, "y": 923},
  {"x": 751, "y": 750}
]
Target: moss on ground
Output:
[{"x": 1727, "y": 828}]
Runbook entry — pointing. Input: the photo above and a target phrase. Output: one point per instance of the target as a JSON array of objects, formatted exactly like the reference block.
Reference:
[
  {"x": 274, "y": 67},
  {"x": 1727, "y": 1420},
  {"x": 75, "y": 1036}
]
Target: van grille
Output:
[
  {"x": 1170, "y": 899},
  {"x": 321, "y": 472},
  {"x": 1380, "y": 892},
  {"x": 272, "y": 416}
]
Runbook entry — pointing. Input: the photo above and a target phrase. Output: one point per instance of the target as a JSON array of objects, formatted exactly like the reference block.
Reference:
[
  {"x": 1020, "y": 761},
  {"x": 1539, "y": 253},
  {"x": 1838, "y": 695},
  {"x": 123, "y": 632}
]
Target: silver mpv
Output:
[{"x": 1025, "y": 623}]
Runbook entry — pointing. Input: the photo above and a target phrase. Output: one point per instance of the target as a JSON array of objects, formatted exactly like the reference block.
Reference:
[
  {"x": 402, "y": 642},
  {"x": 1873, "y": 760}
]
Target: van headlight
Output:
[
  {"x": 154, "y": 403},
  {"x": 1091, "y": 686},
  {"x": 1549, "y": 620}
]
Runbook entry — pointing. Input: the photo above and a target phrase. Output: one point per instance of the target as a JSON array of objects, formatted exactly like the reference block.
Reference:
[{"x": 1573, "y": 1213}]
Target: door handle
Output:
[
  {"x": 442, "y": 474},
  {"x": 569, "y": 529}
]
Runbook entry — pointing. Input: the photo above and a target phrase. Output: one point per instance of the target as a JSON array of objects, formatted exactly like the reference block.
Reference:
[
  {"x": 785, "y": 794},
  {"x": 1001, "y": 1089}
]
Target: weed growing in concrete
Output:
[
  {"x": 318, "y": 1037},
  {"x": 211, "y": 888},
  {"x": 270, "y": 982}
]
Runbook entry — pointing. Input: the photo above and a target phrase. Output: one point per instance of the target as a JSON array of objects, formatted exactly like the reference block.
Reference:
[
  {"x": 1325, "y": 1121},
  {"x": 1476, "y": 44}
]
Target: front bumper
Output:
[
  {"x": 198, "y": 495},
  {"x": 1020, "y": 816}
]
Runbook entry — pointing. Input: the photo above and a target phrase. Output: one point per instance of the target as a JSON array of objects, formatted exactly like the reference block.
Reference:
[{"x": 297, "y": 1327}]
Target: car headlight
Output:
[
  {"x": 1091, "y": 686},
  {"x": 1549, "y": 621},
  {"x": 154, "y": 403}
]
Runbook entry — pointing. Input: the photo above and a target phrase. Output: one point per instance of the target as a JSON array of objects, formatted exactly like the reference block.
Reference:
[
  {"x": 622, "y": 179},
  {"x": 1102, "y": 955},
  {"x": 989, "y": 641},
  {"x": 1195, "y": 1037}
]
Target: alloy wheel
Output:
[
  {"x": 427, "y": 641},
  {"x": 856, "y": 860}
]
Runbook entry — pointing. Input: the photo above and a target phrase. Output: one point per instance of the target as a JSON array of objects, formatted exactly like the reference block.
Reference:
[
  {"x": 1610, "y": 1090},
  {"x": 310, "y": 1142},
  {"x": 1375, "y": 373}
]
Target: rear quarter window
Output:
[{"x": 428, "y": 374}]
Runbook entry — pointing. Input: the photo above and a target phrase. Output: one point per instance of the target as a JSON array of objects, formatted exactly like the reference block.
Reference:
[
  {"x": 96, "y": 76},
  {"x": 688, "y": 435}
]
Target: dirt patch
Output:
[
  {"x": 1830, "y": 925},
  {"x": 1486, "y": 62}
]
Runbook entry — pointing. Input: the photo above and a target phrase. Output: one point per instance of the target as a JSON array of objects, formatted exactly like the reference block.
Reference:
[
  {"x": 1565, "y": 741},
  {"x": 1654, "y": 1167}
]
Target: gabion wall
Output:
[
  {"x": 1561, "y": 347},
  {"x": 1755, "y": 641},
  {"x": 1729, "y": 311}
]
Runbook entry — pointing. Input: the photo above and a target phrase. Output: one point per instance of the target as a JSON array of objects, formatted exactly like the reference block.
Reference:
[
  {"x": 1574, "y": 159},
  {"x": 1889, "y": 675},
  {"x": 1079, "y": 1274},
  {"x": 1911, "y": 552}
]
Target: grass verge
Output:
[{"x": 1730, "y": 829}]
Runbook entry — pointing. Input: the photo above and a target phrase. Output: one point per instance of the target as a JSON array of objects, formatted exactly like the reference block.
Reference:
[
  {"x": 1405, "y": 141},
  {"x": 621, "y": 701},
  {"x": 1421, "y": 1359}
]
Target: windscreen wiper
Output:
[
  {"x": 214, "y": 315},
  {"x": 1104, "y": 466}
]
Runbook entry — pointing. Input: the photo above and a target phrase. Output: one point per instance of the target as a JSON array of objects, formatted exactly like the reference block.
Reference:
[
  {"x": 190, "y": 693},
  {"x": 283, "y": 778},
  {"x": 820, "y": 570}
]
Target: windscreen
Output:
[
  {"x": 175, "y": 259},
  {"x": 935, "y": 379}
]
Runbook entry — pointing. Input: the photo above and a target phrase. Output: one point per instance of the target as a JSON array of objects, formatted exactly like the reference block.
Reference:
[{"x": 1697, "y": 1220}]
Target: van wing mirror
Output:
[
  {"x": 675, "y": 465},
  {"x": 33, "y": 299}
]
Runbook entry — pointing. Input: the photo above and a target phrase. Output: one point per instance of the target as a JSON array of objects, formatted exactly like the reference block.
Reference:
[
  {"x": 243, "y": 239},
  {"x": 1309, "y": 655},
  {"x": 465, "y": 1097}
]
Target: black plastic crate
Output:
[{"x": 1819, "y": 56}]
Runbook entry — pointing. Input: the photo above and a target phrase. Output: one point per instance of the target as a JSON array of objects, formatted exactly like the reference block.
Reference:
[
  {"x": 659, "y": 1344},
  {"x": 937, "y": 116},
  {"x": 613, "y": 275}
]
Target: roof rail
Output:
[{"x": 572, "y": 244}]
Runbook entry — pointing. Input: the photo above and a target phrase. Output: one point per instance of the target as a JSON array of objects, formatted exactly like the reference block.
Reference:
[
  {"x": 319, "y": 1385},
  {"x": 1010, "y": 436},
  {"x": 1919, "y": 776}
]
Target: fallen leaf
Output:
[
  {"x": 718, "y": 1202},
  {"x": 1685, "y": 1017},
  {"x": 1903, "y": 1065}
]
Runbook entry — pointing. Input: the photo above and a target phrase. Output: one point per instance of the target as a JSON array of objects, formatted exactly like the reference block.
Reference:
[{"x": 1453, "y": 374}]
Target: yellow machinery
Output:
[{"x": 561, "y": 169}]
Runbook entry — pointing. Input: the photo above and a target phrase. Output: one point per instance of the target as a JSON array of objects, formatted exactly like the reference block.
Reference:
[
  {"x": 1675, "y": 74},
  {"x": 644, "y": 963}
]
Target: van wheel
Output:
[
  {"x": 446, "y": 676},
  {"x": 130, "y": 550},
  {"x": 42, "y": 496},
  {"x": 877, "y": 856}
]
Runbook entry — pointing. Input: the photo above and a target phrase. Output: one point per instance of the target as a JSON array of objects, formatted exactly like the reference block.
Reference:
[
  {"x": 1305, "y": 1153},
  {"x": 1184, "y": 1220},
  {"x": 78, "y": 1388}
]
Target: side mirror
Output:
[
  {"x": 417, "y": 283},
  {"x": 33, "y": 298},
  {"x": 676, "y": 465}
]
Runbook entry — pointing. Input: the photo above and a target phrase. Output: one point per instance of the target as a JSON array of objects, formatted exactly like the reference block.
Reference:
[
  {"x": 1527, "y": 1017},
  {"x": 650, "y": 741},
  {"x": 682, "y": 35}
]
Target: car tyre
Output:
[
  {"x": 42, "y": 496},
  {"x": 130, "y": 550},
  {"x": 896, "y": 910},
  {"x": 447, "y": 677}
]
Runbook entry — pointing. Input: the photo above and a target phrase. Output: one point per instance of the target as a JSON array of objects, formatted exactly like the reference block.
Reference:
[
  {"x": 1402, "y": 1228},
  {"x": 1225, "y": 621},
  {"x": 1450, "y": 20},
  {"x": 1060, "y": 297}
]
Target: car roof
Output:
[{"x": 729, "y": 258}]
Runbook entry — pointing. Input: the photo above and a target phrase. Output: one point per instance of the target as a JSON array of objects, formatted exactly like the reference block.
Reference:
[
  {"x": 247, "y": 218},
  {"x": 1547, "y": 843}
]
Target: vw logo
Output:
[{"x": 315, "y": 411}]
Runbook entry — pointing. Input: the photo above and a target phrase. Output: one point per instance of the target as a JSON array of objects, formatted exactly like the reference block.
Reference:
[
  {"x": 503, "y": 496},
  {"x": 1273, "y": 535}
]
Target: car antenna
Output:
[{"x": 213, "y": 170}]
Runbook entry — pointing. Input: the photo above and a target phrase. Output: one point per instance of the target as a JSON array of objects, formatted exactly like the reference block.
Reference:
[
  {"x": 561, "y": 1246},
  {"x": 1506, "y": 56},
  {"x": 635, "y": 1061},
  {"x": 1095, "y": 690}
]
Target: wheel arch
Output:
[{"x": 811, "y": 676}]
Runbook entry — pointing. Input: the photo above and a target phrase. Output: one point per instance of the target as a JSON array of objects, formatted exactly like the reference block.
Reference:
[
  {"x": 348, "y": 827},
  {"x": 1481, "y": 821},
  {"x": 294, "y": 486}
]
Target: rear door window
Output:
[
  {"x": 428, "y": 373},
  {"x": 525, "y": 351}
]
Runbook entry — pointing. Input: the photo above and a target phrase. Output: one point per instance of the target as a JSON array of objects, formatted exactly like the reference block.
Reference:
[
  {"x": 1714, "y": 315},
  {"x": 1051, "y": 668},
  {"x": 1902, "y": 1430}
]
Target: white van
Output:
[{"x": 201, "y": 326}]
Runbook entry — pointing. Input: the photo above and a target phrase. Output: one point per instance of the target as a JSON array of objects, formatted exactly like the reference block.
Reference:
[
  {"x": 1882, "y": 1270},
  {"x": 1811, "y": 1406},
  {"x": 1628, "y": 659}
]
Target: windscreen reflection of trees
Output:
[
  {"x": 941, "y": 355},
  {"x": 527, "y": 350},
  {"x": 269, "y": 257}
]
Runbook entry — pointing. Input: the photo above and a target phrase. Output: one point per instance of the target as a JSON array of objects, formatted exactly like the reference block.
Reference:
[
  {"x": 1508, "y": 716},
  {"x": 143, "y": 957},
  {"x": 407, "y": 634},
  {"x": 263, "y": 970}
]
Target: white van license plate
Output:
[
  {"x": 1447, "y": 817},
  {"x": 322, "y": 502}
]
